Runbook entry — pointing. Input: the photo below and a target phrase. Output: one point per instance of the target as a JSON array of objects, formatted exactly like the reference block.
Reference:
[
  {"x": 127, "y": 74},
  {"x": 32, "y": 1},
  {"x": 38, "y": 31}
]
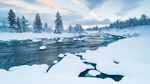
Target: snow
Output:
[
  {"x": 94, "y": 72},
  {"x": 55, "y": 61},
  {"x": 31, "y": 36},
  {"x": 60, "y": 40},
  {"x": 61, "y": 55},
  {"x": 70, "y": 65},
  {"x": 42, "y": 47},
  {"x": 36, "y": 40},
  {"x": 132, "y": 55}
]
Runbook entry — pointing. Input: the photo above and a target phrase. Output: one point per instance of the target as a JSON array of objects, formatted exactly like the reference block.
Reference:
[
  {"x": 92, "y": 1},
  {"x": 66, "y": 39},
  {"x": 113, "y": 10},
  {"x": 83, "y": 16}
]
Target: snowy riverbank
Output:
[{"x": 128, "y": 57}]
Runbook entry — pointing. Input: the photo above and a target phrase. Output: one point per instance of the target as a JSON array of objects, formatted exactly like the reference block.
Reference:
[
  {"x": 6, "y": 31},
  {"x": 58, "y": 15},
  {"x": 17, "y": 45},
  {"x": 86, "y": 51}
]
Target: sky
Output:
[{"x": 84, "y": 12}]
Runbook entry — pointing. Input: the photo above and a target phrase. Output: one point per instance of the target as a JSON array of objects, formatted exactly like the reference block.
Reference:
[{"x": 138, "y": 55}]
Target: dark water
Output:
[{"x": 26, "y": 52}]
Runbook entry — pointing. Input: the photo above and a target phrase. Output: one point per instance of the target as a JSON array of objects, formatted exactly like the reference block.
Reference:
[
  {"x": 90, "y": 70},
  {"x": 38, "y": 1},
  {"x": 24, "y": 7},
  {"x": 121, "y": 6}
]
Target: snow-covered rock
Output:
[
  {"x": 55, "y": 61},
  {"x": 94, "y": 72},
  {"x": 61, "y": 55},
  {"x": 60, "y": 40},
  {"x": 36, "y": 40},
  {"x": 42, "y": 47}
]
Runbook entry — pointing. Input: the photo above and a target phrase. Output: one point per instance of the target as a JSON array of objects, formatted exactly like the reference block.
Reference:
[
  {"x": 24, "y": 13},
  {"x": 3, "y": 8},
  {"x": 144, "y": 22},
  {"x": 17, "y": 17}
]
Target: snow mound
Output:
[
  {"x": 61, "y": 55},
  {"x": 60, "y": 40},
  {"x": 42, "y": 47},
  {"x": 55, "y": 61},
  {"x": 130, "y": 55},
  {"x": 94, "y": 72},
  {"x": 70, "y": 65}
]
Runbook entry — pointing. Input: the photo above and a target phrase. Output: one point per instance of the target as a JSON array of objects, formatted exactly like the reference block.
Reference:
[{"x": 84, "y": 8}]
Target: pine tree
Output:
[
  {"x": 70, "y": 29},
  {"x": 143, "y": 19},
  {"x": 79, "y": 29},
  {"x": 18, "y": 25},
  {"x": 12, "y": 19},
  {"x": 45, "y": 26},
  {"x": 24, "y": 25},
  {"x": 58, "y": 24},
  {"x": 37, "y": 24}
]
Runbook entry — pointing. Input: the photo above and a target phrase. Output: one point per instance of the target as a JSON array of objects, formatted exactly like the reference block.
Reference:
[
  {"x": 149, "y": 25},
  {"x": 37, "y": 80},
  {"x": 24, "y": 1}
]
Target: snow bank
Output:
[
  {"x": 25, "y": 36},
  {"x": 132, "y": 55},
  {"x": 94, "y": 72},
  {"x": 70, "y": 65},
  {"x": 64, "y": 72}
]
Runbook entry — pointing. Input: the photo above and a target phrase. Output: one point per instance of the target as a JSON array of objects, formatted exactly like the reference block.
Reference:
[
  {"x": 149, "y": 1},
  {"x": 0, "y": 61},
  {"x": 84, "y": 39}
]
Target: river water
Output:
[{"x": 27, "y": 52}]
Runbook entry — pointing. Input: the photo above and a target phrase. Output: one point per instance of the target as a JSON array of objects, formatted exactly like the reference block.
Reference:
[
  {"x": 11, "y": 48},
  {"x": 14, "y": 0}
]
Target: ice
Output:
[
  {"x": 42, "y": 47},
  {"x": 94, "y": 72},
  {"x": 61, "y": 55}
]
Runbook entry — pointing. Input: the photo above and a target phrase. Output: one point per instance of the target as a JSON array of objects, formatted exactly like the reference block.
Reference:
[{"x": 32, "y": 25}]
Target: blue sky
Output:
[{"x": 84, "y": 12}]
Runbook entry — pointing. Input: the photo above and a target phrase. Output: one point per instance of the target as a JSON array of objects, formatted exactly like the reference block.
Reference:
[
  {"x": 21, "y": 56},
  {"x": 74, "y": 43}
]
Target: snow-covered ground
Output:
[
  {"x": 132, "y": 56},
  {"x": 31, "y": 36}
]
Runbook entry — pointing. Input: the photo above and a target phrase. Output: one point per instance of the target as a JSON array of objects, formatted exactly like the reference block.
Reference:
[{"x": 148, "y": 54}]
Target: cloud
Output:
[
  {"x": 91, "y": 4},
  {"x": 55, "y": 6},
  {"x": 127, "y": 6},
  {"x": 76, "y": 1},
  {"x": 95, "y": 15},
  {"x": 11, "y": 6},
  {"x": 94, "y": 22}
]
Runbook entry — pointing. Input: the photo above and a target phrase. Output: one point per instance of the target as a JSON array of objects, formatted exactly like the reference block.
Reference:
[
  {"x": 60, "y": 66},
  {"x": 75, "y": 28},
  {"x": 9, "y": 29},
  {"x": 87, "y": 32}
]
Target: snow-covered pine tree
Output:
[
  {"x": 143, "y": 20},
  {"x": 18, "y": 25},
  {"x": 58, "y": 24},
  {"x": 24, "y": 25},
  {"x": 79, "y": 29},
  {"x": 45, "y": 27},
  {"x": 37, "y": 24},
  {"x": 70, "y": 29},
  {"x": 12, "y": 20}
]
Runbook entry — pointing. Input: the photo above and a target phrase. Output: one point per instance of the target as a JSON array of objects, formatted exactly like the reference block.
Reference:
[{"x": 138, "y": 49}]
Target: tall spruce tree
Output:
[
  {"x": 58, "y": 24},
  {"x": 24, "y": 25},
  {"x": 12, "y": 20},
  {"x": 18, "y": 25},
  {"x": 37, "y": 24}
]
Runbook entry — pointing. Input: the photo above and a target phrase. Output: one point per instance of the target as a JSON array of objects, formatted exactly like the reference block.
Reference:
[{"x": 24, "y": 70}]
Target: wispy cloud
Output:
[
  {"x": 95, "y": 15},
  {"x": 77, "y": 1},
  {"x": 11, "y": 6},
  {"x": 55, "y": 6}
]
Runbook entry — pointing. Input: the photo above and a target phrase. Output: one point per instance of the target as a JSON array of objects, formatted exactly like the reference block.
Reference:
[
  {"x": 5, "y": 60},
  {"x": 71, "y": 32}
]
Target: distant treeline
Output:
[
  {"x": 131, "y": 22},
  {"x": 20, "y": 25}
]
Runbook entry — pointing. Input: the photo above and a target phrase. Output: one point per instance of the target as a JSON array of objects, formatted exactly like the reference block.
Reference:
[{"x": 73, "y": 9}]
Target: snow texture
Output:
[
  {"x": 132, "y": 55},
  {"x": 94, "y": 72},
  {"x": 31, "y": 36}
]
